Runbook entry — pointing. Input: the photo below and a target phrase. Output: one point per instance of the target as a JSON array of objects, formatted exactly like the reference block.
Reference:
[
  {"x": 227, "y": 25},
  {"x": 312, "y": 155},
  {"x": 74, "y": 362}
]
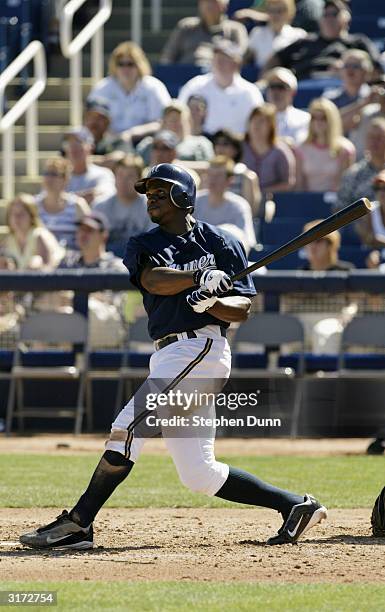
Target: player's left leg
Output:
[{"x": 194, "y": 458}]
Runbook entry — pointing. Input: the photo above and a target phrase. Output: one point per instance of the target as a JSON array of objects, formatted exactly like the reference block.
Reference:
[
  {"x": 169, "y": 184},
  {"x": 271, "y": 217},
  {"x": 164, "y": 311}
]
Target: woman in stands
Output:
[
  {"x": 264, "y": 153},
  {"x": 136, "y": 98},
  {"x": 60, "y": 211},
  {"x": 29, "y": 243},
  {"x": 325, "y": 154},
  {"x": 277, "y": 34},
  {"x": 245, "y": 182},
  {"x": 177, "y": 119}
]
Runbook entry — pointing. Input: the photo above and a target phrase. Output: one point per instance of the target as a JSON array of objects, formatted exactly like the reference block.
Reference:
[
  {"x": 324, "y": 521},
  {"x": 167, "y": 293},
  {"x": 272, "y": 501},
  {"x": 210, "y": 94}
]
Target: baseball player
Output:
[{"x": 183, "y": 269}]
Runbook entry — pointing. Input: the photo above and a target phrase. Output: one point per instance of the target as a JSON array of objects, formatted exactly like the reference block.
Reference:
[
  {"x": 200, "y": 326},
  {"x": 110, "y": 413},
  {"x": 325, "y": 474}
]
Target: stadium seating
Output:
[{"x": 304, "y": 205}]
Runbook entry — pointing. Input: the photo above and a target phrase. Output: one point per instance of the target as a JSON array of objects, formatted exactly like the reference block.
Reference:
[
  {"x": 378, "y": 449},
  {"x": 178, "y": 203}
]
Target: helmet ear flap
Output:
[{"x": 179, "y": 197}]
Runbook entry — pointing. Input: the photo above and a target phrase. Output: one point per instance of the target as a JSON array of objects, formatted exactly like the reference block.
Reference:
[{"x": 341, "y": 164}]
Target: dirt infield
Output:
[
  {"x": 65, "y": 444},
  {"x": 196, "y": 544}
]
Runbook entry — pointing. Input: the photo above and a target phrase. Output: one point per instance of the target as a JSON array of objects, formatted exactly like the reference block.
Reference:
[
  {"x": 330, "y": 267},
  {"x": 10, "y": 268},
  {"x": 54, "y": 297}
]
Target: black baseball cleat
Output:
[
  {"x": 61, "y": 533},
  {"x": 301, "y": 518}
]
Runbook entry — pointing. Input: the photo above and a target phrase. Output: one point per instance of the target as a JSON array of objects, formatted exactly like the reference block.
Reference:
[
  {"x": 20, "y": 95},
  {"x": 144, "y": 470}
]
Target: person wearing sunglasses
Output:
[
  {"x": 136, "y": 98},
  {"x": 356, "y": 70},
  {"x": 60, "y": 210},
  {"x": 326, "y": 153},
  {"x": 318, "y": 55},
  {"x": 276, "y": 34},
  {"x": 292, "y": 123}
]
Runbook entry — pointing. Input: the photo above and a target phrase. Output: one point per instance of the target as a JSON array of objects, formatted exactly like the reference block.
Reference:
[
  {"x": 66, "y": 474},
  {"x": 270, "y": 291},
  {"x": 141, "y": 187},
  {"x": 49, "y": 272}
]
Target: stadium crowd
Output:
[{"x": 245, "y": 141}]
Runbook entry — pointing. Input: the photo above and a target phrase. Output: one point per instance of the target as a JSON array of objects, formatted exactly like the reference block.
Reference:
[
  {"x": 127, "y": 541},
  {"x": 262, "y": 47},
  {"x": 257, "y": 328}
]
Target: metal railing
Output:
[
  {"x": 26, "y": 104},
  {"x": 137, "y": 19},
  {"x": 72, "y": 49}
]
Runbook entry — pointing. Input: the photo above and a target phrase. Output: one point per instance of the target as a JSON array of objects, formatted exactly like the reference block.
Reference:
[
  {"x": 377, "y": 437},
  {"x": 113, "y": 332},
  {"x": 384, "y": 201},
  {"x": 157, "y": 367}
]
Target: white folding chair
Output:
[
  {"x": 273, "y": 329},
  {"x": 49, "y": 328}
]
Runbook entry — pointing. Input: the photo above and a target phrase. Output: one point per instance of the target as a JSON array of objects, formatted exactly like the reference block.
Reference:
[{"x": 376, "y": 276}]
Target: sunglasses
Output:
[
  {"x": 53, "y": 174},
  {"x": 125, "y": 64},
  {"x": 318, "y": 118},
  {"x": 159, "y": 147},
  {"x": 353, "y": 67},
  {"x": 278, "y": 86},
  {"x": 276, "y": 11},
  {"x": 223, "y": 143},
  {"x": 379, "y": 187},
  {"x": 330, "y": 14}
]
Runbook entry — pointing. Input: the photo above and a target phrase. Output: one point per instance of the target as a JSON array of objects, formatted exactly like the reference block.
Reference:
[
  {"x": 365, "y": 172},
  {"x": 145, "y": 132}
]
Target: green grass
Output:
[
  {"x": 49, "y": 480},
  {"x": 209, "y": 597}
]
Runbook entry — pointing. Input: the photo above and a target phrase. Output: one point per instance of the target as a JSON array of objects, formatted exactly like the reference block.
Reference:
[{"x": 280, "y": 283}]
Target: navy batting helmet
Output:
[{"x": 183, "y": 188}]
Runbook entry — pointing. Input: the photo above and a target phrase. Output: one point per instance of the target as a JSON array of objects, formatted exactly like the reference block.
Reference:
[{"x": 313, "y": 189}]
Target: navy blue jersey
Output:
[{"x": 204, "y": 246}]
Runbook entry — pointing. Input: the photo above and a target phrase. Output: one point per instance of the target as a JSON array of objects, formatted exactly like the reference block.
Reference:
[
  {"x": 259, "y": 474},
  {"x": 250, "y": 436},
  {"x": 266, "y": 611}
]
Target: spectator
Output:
[
  {"x": 191, "y": 42},
  {"x": 270, "y": 158},
  {"x": 322, "y": 254},
  {"x": 126, "y": 211},
  {"x": 97, "y": 118},
  {"x": 58, "y": 210},
  {"x": 104, "y": 307},
  {"x": 292, "y": 123},
  {"x": 371, "y": 228},
  {"x": 359, "y": 114},
  {"x": 317, "y": 55},
  {"x": 177, "y": 119},
  {"x": 230, "y": 98},
  {"x": 245, "y": 182},
  {"x": 87, "y": 179},
  {"x": 29, "y": 243},
  {"x": 355, "y": 72},
  {"x": 164, "y": 151},
  {"x": 217, "y": 205},
  {"x": 277, "y": 34},
  {"x": 357, "y": 180},
  {"x": 325, "y": 154},
  {"x": 198, "y": 110},
  {"x": 91, "y": 238},
  {"x": 136, "y": 98},
  {"x": 308, "y": 14}
]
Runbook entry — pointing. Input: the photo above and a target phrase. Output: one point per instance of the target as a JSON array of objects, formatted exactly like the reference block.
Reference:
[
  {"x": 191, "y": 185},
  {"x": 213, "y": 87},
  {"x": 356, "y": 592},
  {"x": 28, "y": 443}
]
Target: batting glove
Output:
[
  {"x": 216, "y": 282},
  {"x": 200, "y": 300}
]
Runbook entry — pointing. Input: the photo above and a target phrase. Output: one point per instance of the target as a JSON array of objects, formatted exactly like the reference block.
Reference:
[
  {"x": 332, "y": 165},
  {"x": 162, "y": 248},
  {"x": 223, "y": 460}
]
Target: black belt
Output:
[{"x": 159, "y": 344}]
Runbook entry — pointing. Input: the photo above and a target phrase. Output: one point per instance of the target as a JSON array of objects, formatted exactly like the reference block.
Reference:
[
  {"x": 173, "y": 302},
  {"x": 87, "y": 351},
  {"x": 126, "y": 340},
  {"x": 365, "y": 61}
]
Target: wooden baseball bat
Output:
[{"x": 343, "y": 217}]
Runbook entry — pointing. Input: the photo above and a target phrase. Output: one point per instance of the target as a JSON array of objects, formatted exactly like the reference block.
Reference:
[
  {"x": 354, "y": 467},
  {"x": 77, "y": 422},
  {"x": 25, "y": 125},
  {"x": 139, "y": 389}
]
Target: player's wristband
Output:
[{"x": 197, "y": 276}]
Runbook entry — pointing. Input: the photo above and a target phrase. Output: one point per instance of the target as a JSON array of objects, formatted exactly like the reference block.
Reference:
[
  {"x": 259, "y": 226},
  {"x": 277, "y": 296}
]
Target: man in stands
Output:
[
  {"x": 217, "y": 205},
  {"x": 357, "y": 181},
  {"x": 191, "y": 42},
  {"x": 317, "y": 54},
  {"x": 91, "y": 239},
  {"x": 87, "y": 179},
  {"x": 97, "y": 118},
  {"x": 356, "y": 71},
  {"x": 230, "y": 98},
  {"x": 363, "y": 111},
  {"x": 126, "y": 211},
  {"x": 292, "y": 123}
]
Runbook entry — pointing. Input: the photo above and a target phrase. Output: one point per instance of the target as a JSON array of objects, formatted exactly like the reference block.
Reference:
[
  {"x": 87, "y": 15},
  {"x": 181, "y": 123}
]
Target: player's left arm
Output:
[{"x": 232, "y": 309}]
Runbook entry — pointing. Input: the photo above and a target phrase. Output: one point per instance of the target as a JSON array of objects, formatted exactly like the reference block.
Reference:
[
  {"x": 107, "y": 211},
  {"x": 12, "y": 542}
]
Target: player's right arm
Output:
[{"x": 166, "y": 281}]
